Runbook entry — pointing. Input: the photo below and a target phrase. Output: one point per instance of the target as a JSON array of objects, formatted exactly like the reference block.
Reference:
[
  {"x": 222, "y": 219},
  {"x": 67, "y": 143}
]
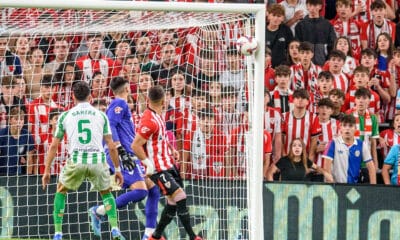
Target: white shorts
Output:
[{"x": 73, "y": 174}]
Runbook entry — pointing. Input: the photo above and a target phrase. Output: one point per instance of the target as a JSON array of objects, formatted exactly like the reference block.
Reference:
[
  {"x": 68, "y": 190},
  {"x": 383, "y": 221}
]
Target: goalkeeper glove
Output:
[
  {"x": 149, "y": 167},
  {"x": 127, "y": 161}
]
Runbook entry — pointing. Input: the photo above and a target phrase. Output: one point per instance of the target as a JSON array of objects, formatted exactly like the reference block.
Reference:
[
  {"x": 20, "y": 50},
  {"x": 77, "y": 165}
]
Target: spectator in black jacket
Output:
[
  {"x": 277, "y": 34},
  {"x": 316, "y": 30}
]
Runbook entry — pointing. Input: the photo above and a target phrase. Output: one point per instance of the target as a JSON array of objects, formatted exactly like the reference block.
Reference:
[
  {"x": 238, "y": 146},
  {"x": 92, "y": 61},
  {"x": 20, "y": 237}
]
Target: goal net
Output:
[{"x": 213, "y": 113}]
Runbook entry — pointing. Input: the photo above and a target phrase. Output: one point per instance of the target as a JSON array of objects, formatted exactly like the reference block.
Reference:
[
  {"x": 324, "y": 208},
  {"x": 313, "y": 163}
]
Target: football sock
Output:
[
  {"x": 58, "y": 214},
  {"x": 184, "y": 216},
  {"x": 166, "y": 217},
  {"x": 151, "y": 208},
  {"x": 135, "y": 195},
  {"x": 111, "y": 210}
]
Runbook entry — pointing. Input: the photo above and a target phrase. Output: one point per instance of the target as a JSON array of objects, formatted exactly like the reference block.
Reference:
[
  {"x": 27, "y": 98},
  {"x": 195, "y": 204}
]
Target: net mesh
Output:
[{"x": 192, "y": 55}]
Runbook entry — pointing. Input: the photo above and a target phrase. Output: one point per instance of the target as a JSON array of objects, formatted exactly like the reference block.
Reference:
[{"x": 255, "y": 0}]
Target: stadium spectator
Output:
[
  {"x": 122, "y": 51},
  {"x": 273, "y": 124},
  {"x": 345, "y": 153},
  {"x": 316, "y": 30},
  {"x": 143, "y": 48},
  {"x": 151, "y": 133},
  {"x": 100, "y": 104},
  {"x": 282, "y": 95},
  {"x": 38, "y": 119},
  {"x": 324, "y": 84},
  {"x": 346, "y": 26},
  {"x": 367, "y": 127},
  {"x": 305, "y": 73},
  {"x": 140, "y": 97},
  {"x": 84, "y": 164},
  {"x": 10, "y": 63},
  {"x": 292, "y": 56},
  {"x": 99, "y": 86},
  {"x": 298, "y": 122},
  {"x": 378, "y": 24},
  {"x": 83, "y": 47},
  {"x": 384, "y": 49},
  {"x": 324, "y": 130},
  {"x": 227, "y": 116},
  {"x": 207, "y": 72},
  {"x": 336, "y": 63},
  {"x": 162, "y": 72},
  {"x": 95, "y": 60},
  {"x": 16, "y": 145},
  {"x": 296, "y": 166},
  {"x": 130, "y": 70},
  {"x": 65, "y": 76},
  {"x": 337, "y": 96},
  {"x": 269, "y": 72},
  {"x": 34, "y": 72},
  {"x": 234, "y": 75},
  {"x": 61, "y": 54},
  {"x": 21, "y": 48},
  {"x": 295, "y": 10},
  {"x": 20, "y": 89},
  {"x": 277, "y": 34},
  {"x": 343, "y": 44},
  {"x": 390, "y": 137},
  {"x": 8, "y": 99},
  {"x": 215, "y": 93}
]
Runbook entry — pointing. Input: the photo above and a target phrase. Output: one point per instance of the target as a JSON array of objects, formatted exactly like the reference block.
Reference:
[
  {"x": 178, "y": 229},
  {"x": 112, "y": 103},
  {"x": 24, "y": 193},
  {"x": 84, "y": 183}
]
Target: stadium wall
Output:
[{"x": 291, "y": 211}]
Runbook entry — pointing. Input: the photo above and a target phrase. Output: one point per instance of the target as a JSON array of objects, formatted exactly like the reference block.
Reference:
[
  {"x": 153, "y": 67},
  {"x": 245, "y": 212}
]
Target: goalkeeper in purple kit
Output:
[{"x": 123, "y": 133}]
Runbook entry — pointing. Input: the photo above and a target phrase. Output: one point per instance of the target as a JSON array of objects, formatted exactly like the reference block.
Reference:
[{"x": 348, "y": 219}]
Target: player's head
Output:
[
  {"x": 119, "y": 85},
  {"x": 156, "y": 95},
  {"x": 81, "y": 91}
]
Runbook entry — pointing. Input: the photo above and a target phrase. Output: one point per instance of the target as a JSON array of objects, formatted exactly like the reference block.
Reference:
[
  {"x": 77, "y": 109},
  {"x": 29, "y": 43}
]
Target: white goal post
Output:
[{"x": 255, "y": 163}]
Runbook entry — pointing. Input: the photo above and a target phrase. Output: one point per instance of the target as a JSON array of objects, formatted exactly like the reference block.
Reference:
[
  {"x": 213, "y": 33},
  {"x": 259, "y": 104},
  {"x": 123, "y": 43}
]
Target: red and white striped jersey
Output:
[
  {"x": 391, "y": 137},
  {"x": 88, "y": 66},
  {"x": 152, "y": 128},
  {"x": 277, "y": 95},
  {"x": 325, "y": 132},
  {"x": 341, "y": 82},
  {"x": 61, "y": 156},
  {"x": 297, "y": 128},
  {"x": 273, "y": 121},
  {"x": 374, "y": 104},
  {"x": 231, "y": 32}
]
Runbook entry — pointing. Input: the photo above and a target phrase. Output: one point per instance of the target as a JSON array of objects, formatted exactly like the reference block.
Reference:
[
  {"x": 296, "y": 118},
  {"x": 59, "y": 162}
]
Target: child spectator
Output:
[
  {"x": 298, "y": 123},
  {"x": 8, "y": 99},
  {"x": 282, "y": 98},
  {"x": 130, "y": 70},
  {"x": 296, "y": 166},
  {"x": 16, "y": 145},
  {"x": 325, "y": 84},
  {"x": 292, "y": 57},
  {"x": 325, "y": 129},
  {"x": 336, "y": 62},
  {"x": 361, "y": 80},
  {"x": 62, "y": 153},
  {"x": 11, "y": 63},
  {"x": 367, "y": 127},
  {"x": 277, "y": 34},
  {"x": 347, "y": 27},
  {"x": 305, "y": 73},
  {"x": 99, "y": 86},
  {"x": 215, "y": 93},
  {"x": 316, "y": 30},
  {"x": 228, "y": 117},
  {"x": 345, "y": 153},
  {"x": 122, "y": 50},
  {"x": 140, "y": 98},
  {"x": 20, "y": 89},
  {"x": 343, "y": 44},
  {"x": 390, "y": 137},
  {"x": 384, "y": 49},
  {"x": 234, "y": 75},
  {"x": 273, "y": 124},
  {"x": 372, "y": 28},
  {"x": 337, "y": 97}
]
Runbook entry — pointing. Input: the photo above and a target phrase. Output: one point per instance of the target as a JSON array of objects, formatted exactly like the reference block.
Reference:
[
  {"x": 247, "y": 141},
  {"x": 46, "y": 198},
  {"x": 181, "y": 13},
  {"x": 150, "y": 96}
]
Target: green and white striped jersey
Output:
[{"x": 85, "y": 127}]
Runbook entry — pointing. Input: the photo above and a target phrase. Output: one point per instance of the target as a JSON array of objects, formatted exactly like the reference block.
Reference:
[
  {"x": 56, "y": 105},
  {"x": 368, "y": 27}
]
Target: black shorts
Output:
[{"x": 168, "y": 181}]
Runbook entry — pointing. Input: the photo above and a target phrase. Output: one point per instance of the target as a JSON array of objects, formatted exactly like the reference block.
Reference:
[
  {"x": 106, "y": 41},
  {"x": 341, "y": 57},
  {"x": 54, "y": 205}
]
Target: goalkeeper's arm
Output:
[{"x": 127, "y": 161}]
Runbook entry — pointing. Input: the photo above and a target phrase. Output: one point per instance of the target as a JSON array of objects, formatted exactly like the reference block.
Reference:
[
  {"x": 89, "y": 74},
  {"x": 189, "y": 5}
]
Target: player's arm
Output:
[
  {"x": 137, "y": 147},
  {"x": 51, "y": 154},
  {"x": 385, "y": 173}
]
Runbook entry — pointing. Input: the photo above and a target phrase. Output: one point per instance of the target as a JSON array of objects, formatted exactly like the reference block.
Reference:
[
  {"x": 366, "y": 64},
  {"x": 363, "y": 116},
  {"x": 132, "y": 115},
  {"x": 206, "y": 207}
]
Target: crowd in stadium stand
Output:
[{"x": 324, "y": 60}]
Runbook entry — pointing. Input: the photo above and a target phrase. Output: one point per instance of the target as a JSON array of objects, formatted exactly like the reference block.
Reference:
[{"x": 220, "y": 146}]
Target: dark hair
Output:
[
  {"x": 348, "y": 118},
  {"x": 368, "y": 52},
  {"x": 47, "y": 80},
  {"x": 337, "y": 54},
  {"x": 207, "y": 54},
  {"x": 306, "y": 46},
  {"x": 276, "y": 9},
  {"x": 94, "y": 35},
  {"x": 301, "y": 93},
  {"x": 99, "y": 101},
  {"x": 282, "y": 70},
  {"x": 325, "y": 102},
  {"x": 59, "y": 75},
  {"x": 391, "y": 46},
  {"x": 81, "y": 90},
  {"x": 117, "y": 83},
  {"x": 350, "y": 52},
  {"x": 156, "y": 93},
  {"x": 361, "y": 69},
  {"x": 232, "y": 50},
  {"x": 337, "y": 92},
  {"x": 228, "y": 91},
  {"x": 362, "y": 92},
  {"x": 346, "y": 3},
  {"x": 206, "y": 113},
  {"x": 198, "y": 93},
  {"x": 7, "y": 81},
  {"x": 303, "y": 157},
  {"x": 378, "y": 4},
  {"x": 54, "y": 112},
  {"x": 326, "y": 75},
  {"x": 16, "y": 112}
]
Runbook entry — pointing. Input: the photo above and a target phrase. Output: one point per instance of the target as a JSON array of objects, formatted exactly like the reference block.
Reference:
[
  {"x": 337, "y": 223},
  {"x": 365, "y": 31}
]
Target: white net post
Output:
[{"x": 150, "y": 17}]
